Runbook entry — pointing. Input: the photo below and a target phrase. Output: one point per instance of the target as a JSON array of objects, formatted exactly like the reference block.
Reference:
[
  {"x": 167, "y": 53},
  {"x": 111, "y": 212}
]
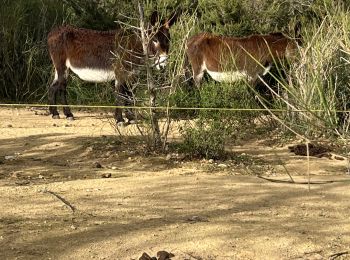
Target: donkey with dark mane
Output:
[
  {"x": 230, "y": 59},
  {"x": 102, "y": 56}
]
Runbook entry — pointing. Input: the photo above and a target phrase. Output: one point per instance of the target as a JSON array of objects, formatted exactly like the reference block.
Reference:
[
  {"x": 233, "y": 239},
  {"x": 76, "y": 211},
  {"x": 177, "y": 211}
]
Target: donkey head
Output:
[{"x": 160, "y": 39}]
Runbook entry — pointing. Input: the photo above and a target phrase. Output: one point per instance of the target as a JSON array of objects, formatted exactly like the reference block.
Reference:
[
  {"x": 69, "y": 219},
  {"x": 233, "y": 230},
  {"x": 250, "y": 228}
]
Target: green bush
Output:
[
  {"x": 318, "y": 81},
  {"x": 207, "y": 134},
  {"x": 206, "y": 139}
]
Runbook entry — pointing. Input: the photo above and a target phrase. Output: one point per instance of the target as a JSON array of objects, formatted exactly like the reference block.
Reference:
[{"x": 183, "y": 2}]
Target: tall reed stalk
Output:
[{"x": 318, "y": 78}]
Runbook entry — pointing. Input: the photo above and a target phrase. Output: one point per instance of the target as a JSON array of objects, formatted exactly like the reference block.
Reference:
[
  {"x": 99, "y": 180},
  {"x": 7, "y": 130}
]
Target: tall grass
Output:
[
  {"x": 25, "y": 66},
  {"x": 318, "y": 82},
  {"x": 24, "y": 63}
]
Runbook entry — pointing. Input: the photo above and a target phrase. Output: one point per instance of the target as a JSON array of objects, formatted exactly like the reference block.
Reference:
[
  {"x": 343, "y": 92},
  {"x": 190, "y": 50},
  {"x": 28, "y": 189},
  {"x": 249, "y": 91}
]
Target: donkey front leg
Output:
[
  {"x": 129, "y": 101},
  {"x": 124, "y": 97},
  {"x": 119, "y": 101}
]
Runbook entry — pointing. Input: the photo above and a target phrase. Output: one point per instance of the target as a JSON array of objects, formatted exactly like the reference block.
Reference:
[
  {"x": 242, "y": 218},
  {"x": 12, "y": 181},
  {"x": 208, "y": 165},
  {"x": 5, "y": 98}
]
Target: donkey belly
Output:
[
  {"x": 92, "y": 74},
  {"x": 228, "y": 76}
]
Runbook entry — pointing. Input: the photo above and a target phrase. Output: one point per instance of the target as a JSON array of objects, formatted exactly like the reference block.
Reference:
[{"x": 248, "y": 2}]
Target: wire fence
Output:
[
  {"x": 19, "y": 105},
  {"x": 176, "y": 108}
]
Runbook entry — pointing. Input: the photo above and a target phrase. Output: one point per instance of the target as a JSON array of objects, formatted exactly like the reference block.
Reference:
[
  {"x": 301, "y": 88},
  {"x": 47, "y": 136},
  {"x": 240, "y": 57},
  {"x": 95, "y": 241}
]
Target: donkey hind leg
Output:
[
  {"x": 52, "y": 95},
  {"x": 58, "y": 89},
  {"x": 53, "y": 89},
  {"x": 66, "y": 109},
  {"x": 198, "y": 73}
]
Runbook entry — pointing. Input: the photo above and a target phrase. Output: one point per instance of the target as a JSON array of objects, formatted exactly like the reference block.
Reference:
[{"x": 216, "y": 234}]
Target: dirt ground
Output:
[{"x": 56, "y": 202}]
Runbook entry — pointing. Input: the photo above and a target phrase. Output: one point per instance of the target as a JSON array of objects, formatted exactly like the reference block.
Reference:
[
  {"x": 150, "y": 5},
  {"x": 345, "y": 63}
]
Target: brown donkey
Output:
[
  {"x": 102, "y": 56},
  {"x": 229, "y": 59}
]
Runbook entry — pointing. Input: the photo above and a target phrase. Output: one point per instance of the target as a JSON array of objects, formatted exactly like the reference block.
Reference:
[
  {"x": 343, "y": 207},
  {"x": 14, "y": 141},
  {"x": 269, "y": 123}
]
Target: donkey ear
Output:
[
  {"x": 172, "y": 19},
  {"x": 154, "y": 18}
]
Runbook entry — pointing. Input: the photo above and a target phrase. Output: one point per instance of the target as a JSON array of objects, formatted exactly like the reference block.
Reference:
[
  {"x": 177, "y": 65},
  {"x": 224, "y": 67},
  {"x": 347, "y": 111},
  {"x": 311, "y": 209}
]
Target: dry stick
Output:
[
  {"x": 150, "y": 83},
  {"x": 173, "y": 83},
  {"x": 346, "y": 141},
  {"x": 61, "y": 199},
  {"x": 297, "y": 182},
  {"x": 293, "y": 131},
  {"x": 284, "y": 167},
  {"x": 308, "y": 163},
  {"x": 336, "y": 255}
]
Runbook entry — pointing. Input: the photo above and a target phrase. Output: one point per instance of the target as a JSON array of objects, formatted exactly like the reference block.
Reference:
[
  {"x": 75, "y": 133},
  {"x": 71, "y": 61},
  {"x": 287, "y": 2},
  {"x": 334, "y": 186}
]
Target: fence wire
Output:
[{"x": 177, "y": 108}]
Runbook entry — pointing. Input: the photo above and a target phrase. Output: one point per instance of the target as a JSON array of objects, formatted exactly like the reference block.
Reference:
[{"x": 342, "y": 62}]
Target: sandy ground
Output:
[{"x": 55, "y": 203}]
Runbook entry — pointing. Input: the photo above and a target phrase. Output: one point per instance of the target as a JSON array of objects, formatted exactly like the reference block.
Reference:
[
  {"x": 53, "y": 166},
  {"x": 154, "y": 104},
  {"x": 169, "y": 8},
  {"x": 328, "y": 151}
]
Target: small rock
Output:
[
  {"x": 73, "y": 227},
  {"x": 164, "y": 255},
  {"x": 210, "y": 161},
  {"x": 106, "y": 175},
  {"x": 114, "y": 168},
  {"x": 145, "y": 256},
  {"x": 168, "y": 157},
  {"x": 10, "y": 157},
  {"x": 41, "y": 177},
  {"x": 15, "y": 175},
  {"x": 222, "y": 165},
  {"x": 22, "y": 183},
  {"x": 194, "y": 219},
  {"x": 97, "y": 165}
]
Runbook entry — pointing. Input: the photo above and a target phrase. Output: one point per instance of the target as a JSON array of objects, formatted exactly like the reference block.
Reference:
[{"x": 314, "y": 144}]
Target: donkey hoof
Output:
[
  {"x": 56, "y": 117},
  {"x": 70, "y": 118}
]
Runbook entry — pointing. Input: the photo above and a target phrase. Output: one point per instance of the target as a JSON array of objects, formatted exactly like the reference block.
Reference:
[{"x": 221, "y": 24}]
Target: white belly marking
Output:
[
  {"x": 231, "y": 76},
  {"x": 227, "y": 76},
  {"x": 92, "y": 74}
]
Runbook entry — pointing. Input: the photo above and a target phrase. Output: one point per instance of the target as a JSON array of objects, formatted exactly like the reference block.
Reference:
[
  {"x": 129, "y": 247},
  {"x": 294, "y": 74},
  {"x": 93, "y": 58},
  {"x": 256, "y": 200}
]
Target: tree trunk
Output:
[{"x": 156, "y": 138}]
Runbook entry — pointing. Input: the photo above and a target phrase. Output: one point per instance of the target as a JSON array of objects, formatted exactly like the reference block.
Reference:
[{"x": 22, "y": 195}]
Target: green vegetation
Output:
[{"x": 316, "y": 83}]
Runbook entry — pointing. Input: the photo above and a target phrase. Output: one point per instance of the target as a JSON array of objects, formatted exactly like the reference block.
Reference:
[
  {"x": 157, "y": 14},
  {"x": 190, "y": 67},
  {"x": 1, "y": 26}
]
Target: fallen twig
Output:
[
  {"x": 61, "y": 199},
  {"x": 336, "y": 255},
  {"x": 295, "y": 182}
]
